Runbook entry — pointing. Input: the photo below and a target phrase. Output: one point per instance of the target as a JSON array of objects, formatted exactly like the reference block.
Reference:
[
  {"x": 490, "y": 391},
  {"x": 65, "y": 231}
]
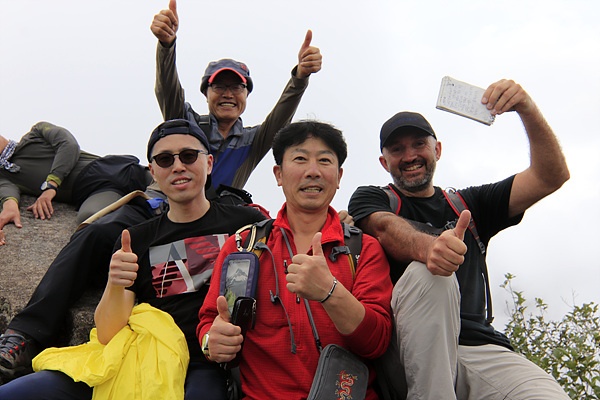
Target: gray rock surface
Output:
[{"x": 26, "y": 257}]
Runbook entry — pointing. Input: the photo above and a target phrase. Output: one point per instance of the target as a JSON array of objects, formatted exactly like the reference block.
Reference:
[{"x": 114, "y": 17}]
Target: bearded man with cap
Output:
[
  {"x": 445, "y": 346},
  {"x": 226, "y": 84},
  {"x": 165, "y": 262}
]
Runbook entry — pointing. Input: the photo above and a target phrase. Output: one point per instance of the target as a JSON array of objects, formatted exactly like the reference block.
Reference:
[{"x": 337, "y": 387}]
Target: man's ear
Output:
[
  {"x": 340, "y": 173},
  {"x": 277, "y": 173},
  {"x": 384, "y": 163},
  {"x": 209, "y": 163},
  {"x": 438, "y": 150},
  {"x": 151, "y": 171}
]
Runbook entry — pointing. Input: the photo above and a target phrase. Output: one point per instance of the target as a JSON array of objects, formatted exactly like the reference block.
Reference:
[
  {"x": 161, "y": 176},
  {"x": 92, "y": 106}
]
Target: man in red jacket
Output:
[{"x": 349, "y": 308}]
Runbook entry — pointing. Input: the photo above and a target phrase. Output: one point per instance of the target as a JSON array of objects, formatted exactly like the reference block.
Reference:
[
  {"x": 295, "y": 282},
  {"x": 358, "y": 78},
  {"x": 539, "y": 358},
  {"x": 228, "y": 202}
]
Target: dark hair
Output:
[{"x": 297, "y": 132}]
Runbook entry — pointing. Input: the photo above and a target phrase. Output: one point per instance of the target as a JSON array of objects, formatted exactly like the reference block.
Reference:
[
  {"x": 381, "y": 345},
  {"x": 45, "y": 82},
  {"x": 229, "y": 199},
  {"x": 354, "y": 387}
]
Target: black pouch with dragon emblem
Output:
[{"x": 340, "y": 375}]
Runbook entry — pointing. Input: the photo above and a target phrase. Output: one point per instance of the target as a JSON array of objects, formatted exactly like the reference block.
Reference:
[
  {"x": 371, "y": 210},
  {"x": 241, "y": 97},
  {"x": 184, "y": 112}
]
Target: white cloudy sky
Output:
[{"x": 89, "y": 66}]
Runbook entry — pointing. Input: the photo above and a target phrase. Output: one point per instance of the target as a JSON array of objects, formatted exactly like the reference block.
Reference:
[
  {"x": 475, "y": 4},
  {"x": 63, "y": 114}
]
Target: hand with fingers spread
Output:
[
  {"x": 447, "y": 252},
  {"x": 10, "y": 214},
  {"x": 123, "y": 264},
  {"x": 309, "y": 275},
  {"x": 165, "y": 24},
  {"x": 309, "y": 58},
  {"x": 42, "y": 208},
  {"x": 506, "y": 95},
  {"x": 224, "y": 339}
]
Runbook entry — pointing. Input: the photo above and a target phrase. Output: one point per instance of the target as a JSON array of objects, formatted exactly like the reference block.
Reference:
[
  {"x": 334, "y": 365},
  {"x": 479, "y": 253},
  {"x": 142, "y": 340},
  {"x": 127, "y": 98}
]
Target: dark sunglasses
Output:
[{"x": 188, "y": 156}]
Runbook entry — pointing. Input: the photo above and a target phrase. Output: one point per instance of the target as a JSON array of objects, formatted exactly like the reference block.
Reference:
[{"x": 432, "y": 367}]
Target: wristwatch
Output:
[
  {"x": 47, "y": 185},
  {"x": 205, "y": 345}
]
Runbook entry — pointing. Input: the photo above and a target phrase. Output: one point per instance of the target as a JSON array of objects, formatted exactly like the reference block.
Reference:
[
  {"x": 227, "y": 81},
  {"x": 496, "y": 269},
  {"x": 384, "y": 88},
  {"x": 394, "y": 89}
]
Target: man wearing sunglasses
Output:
[
  {"x": 237, "y": 151},
  {"x": 226, "y": 84},
  {"x": 166, "y": 263}
]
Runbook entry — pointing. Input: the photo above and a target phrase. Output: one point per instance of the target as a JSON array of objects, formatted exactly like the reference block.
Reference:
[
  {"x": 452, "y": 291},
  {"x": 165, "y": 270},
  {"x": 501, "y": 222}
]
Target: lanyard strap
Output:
[{"x": 308, "y": 311}]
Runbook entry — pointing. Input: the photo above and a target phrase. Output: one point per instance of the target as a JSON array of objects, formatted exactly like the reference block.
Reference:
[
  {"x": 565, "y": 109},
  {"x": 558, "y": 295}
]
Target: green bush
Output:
[{"x": 568, "y": 349}]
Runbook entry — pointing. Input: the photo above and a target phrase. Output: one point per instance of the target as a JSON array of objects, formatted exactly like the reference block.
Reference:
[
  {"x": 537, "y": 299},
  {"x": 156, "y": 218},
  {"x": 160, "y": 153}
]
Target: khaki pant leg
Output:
[
  {"x": 95, "y": 203},
  {"x": 427, "y": 317},
  {"x": 492, "y": 372}
]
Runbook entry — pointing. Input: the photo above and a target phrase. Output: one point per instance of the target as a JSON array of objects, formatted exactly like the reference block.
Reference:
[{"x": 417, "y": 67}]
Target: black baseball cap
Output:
[
  {"x": 176, "y": 126},
  {"x": 226, "y": 64},
  {"x": 401, "y": 120}
]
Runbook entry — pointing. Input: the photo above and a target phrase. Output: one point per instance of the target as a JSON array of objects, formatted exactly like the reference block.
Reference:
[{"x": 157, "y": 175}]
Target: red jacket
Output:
[{"x": 268, "y": 368}]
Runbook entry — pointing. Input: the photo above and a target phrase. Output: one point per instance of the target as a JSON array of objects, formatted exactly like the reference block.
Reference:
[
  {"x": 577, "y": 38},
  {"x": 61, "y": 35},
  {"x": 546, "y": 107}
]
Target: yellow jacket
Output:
[{"x": 147, "y": 359}]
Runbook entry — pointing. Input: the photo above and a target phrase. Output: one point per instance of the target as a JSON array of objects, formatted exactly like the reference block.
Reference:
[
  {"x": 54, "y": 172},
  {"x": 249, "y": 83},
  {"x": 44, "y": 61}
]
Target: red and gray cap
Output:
[
  {"x": 226, "y": 64},
  {"x": 404, "y": 119}
]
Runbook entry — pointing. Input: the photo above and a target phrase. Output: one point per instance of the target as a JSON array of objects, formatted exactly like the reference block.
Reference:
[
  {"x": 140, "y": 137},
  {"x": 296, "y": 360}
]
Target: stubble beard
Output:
[{"x": 416, "y": 186}]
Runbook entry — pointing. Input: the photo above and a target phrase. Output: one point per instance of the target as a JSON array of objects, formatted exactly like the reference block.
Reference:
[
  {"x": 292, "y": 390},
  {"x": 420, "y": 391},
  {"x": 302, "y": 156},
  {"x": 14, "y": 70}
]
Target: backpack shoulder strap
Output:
[
  {"x": 203, "y": 122},
  {"x": 458, "y": 205},
  {"x": 396, "y": 204},
  {"x": 352, "y": 246},
  {"x": 259, "y": 232},
  {"x": 353, "y": 239},
  {"x": 395, "y": 200}
]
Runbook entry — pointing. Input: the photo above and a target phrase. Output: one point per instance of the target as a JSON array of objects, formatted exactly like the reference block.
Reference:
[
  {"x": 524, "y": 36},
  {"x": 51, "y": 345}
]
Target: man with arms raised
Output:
[{"x": 226, "y": 83}]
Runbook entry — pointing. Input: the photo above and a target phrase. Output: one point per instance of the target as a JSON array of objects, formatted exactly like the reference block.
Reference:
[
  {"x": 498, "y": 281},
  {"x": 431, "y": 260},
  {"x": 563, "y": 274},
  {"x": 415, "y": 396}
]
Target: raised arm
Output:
[
  {"x": 309, "y": 58},
  {"x": 309, "y": 62},
  {"x": 169, "y": 93},
  {"x": 547, "y": 170},
  {"x": 165, "y": 24},
  {"x": 114, "y": 308}
]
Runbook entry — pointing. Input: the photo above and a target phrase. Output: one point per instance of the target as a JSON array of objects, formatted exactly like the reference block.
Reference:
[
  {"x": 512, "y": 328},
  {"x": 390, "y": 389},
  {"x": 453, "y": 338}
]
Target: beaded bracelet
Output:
[{"x": 330, "y": 291}]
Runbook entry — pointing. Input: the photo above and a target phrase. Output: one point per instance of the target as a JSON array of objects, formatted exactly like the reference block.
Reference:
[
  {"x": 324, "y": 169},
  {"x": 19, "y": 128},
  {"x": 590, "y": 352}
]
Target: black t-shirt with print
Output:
[
  {"x": 489, "y": 208},
  {"x": 176, "y": 261}
]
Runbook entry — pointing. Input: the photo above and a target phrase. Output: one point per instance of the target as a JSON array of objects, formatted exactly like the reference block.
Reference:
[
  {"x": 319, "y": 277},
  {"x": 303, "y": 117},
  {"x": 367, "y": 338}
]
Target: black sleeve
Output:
[
  {"x": 366, "y": 200},
  {"x": 489, "y": 207}
]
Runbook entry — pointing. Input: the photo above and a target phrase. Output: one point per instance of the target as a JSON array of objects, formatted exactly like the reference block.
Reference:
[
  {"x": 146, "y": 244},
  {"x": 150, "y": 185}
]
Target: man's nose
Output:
[
  {"x": 177, "y": 164},
  {"x": 313, "y": 169},
  {"x": 228, "y": 92}
]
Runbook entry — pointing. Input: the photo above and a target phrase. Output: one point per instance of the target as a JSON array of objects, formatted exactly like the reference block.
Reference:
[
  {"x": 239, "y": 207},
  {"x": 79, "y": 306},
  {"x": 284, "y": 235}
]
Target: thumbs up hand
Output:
[
  {"x": 309, "y": 58},
  {"x": 223, "y": 309},
  {"x": 166, "y": 23},
  {"x": 123, "y": 264},
  {"x": 309, "y": 276},
  {"x": 225, "y": 339},
  {"x": 446, "y": 253},
  {"x": 462, "y": 225}
]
